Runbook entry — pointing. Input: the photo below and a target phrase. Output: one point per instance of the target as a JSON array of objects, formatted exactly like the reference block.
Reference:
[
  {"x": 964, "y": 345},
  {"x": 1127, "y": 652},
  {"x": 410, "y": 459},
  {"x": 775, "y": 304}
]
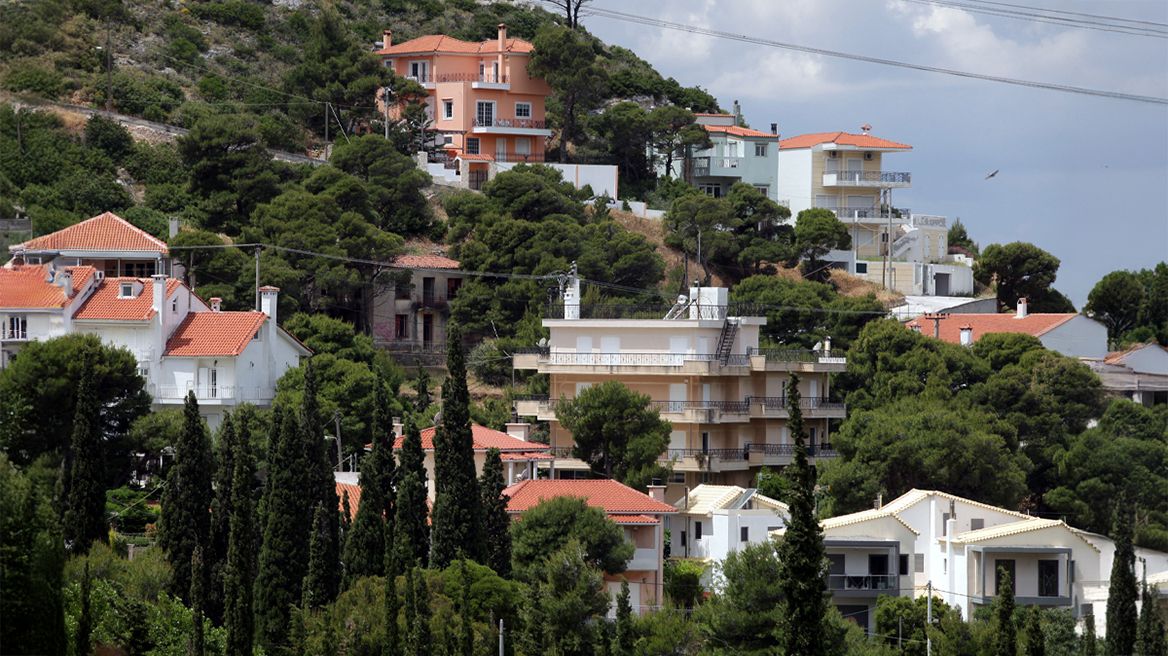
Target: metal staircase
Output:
[{"x": 726, "y": 340}]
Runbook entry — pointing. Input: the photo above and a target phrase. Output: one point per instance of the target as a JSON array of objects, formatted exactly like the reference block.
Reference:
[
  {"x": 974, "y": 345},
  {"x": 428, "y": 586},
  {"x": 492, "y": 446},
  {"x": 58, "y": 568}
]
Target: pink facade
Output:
[{"x": 482, "y": 101}]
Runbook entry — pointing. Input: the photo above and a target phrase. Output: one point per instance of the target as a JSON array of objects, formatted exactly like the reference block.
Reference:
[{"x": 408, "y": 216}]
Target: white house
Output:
[
  {"x": 1139, "y": 373},
  {"x": 714, "y": 520},
  {"x": 37, "y": 303},
  {"x": 1073, "y": 335}
]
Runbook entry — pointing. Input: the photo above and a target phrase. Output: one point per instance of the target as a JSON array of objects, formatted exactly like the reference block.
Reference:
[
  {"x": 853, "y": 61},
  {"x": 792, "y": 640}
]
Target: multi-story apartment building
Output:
[
  {"x": 482, "y": 101},
  {"x": 700, "y": 363},
  {"x": 891, "y": 245}
]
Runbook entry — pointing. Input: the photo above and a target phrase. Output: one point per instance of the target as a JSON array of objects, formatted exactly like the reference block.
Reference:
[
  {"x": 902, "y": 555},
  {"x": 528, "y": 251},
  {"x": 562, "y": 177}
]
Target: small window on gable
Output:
[
  {"x": 127, "y": 290},
  {"x": 976, "y": 523},
  {"x": 256, "y": 336},
  {"x": 174, "y": 306}
]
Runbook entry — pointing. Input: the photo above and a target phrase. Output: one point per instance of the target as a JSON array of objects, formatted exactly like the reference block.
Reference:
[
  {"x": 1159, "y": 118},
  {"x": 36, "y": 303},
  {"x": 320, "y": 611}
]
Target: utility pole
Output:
[
  {"x": 109, "y": 69},
  {"x": 257, "y": 254},
  {"x": 929, "y": 622},
  {"x": 327, "y": 118},
  {"x": 337, "y": 423},
  {"x": 936, "y": 319},
  {"x": 386, "y": 113}
]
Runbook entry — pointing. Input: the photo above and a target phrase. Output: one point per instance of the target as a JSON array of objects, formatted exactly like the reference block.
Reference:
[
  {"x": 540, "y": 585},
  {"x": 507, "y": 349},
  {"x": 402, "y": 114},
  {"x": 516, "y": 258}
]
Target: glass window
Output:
[
  {"x": 760, "y": 150},
  {"x": 746, "y": 534},
  {"x": 1048, "y": 578},
  {"x": 484, "y": 113},
  {"x": 697, "y": 530},
  {"x": 1006, "y": 566},
  {"x": 127, "y": 290},
  {"x": 765, "y": 191},
  {"x": 447, "y": 109},
  {"x": 472, "y": 145},
  {"x": 522, "y": 110}
]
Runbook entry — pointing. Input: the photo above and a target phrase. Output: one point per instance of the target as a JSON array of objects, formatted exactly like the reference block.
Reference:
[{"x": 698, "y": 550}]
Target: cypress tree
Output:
[
  {"x": 801, "y": 552},
  {"x": 365, "y": 543},
  {"x": 237, "y": 579},
  {"x": 411, "y": 535},
  {"x": 498, "y": 522},
  {"x": 284, "y": 555},
  {"x": 419, "y": 638},
  {"x": 221, "y": 514},
  {"x": 1035, "y": 640},
  {"x": 322, "y": 484},
  {"x": 85, "y": 520},
  {"x": 316, "y": 583},
  {"x": 83, "y": 638},
  {"x": 1090, "y": 645},
  {"x": 186, "y": 501},
  {"x": 465, "y": 626},
  {"x": 1150, "y": 639},
  {"x": 624, "y": 621},
  {"x": 197, "y": 589},
  {"x": 1007, "y": 638},
  {"x": 393, "y": 634},
  {"x": 458, "y": 521},
  {"x": 421, "y": 386},
  {"x": 1122, "y": 620}
]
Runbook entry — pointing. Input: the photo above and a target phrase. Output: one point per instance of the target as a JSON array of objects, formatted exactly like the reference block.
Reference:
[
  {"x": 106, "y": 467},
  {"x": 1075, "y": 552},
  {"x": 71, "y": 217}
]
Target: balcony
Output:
[
  {"x": 717, "y": 166},
  {"x": 520, "y": 126},
  {"x": 704, "y": 412},
  {"x": 424, "y": 79},
  {"x": 15, "y": 334},
  {"x": 643, "y": 560},
  {"x": 477, "y": 80},
  {"x": 779, "y": 359},
  {"x": 873, "y": 179},
  {"x": 872, "y": 584},
  {"x": 432, "y": 302},
  {"x": 213, "y": 394},
  {"x": 769, "y": 451},
  {"x": 897, "y": 215},
  {"x": 655, "y": 311},
  {"x": 813, "y": 407}
]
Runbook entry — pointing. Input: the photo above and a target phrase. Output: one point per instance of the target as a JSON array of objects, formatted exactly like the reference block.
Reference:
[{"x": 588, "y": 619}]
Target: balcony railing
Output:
[
  {"x": 636, "y": 359},
  {"x": 520, "y": 157},
  {"x": 870, "y": 212},
  {"x": 657, "y": 311},
  {"x": 805, "y": 403},
  {"x": 862, "y": 582},
  {"x": 812, "y": 450},
  {"x": 432, "y": 302},
  {"x": 532, "y": 350},
  {"x": 489, "y": 78},
  {"x": 209, "y": 392},
  {"x": 726, "y": 455},
  {"x": 678, "y": 407},
  {"x": 929, "y": 220},
  {"x": 796, "y": 355},
  {"x": 867, "y": 177},
  {"x": 522, "y": 123},
  {"x": 420, "y": 79},
  {"x": 704, "y": 166},
  {"x": 11, "y": 334}
]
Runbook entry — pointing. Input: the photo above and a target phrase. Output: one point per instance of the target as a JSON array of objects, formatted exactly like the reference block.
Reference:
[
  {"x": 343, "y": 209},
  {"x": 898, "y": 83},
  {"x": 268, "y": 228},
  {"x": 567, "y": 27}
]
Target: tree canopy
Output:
[
  {"x": 1022, "y": 270},
  {"x": 1133, "y": 305},
  {"x": 548, "y": 527}
]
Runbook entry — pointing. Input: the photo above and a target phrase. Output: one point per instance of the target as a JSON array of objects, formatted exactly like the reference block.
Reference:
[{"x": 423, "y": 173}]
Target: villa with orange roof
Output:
[
  {"x": 738, "y": 154},
  {"x": 483, "y": 104},
  {"x": 845, "y": 173},
  {"x": 641, "y": 516},
  {"x": 1073, "y": 335},
  {"x": 106, "y": 242},
  {"x": 38, "y": 303}
]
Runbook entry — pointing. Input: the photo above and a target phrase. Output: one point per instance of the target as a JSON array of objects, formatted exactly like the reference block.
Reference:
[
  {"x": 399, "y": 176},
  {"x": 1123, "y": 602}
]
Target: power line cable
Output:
[
  {"x": 1050, "y": 20},
  {"x": 694, "y": 29},
  {"x": 1073, "y": 13}
]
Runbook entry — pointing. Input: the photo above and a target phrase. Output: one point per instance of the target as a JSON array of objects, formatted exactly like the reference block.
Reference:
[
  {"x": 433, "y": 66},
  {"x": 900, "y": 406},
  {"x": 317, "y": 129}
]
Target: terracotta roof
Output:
[
  {"x": 608, "y": 495},
  {"x": 484, "y": 438},
  {"x": 842, "y": 139},
  {"x": 27, "y": 287},
  {"x": 476, "y": 157},
  {"x": 739, "y": 131},
  {"x": 104, "y": 232},
  {"x": 214, "y": 333},
  {"x": 634, "y": 519},
  {"x": 424, "y": 262},
  {"x": 1032, "y": 324},
  {"x": 105, "y": 304},
  {"x": 443, "y": 43},
  {"x": 354, "y": 498}
]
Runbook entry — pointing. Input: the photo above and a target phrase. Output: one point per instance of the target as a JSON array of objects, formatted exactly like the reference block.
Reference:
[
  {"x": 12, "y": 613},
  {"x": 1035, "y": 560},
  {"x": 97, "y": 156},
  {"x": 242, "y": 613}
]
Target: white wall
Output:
[
  {"x": 794, "y": 179},
  {"x": 1080, "y": 337}
]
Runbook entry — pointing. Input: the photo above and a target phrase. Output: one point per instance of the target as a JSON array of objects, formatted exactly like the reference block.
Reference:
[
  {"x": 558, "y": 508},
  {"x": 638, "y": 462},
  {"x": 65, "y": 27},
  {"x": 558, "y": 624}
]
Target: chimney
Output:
[
  {"x": 173, "y": 226},
  {"x": 65, "y": 280},
  {"x": 1022, "y": 313},
  {"x": 572, "y": 295},
  {"x": 268, "y": 299},
  {"x": 399, "y": 429},
  {"x": 879, "y": 500},
  {"x": 967, "y": 335},
  {"x": 502, "y": 37},
  {"x": 827, "y": 347},
  {"x": 775, "y": 129},
  {"x": 216, "y": 302},
  {"x": 737, "y": 113},
  {"x": 657, "y": 490},
  {"x": 520, "y": 430},
  {"x": 866, "y": 129},
  {"x": 386, "y": 39},
  {"x": 159, "y": 293}
]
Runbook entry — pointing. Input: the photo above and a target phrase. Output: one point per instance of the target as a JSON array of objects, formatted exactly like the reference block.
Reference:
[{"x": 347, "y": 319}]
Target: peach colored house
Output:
[
  {"x": 482, "y": 101},
  {"x": 639, "y": 515}
]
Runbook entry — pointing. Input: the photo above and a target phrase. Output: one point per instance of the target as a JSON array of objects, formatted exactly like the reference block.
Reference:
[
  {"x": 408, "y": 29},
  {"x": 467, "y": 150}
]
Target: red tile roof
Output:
[
  {"x": 484, "y": 438},
  {"x": 104, "y": 304},
  {"x": 27, "y": 287},
  {"x": 104, "y": 232},
  {"x": 443, "y": 43},
  {"x": 842, "y": 139},
  {"x": 611, "y": 496},
  {"x": 525, "y": 455},
  {"x": 354, "y": 498},
  {"x": 739, "y": 131},
  {"x": 634, "y": 519},
  {"x": 476, "y": 157},
  {"x": 423, "y": 262},
  {"x": 1033, "y": 324},
  {"x": 718, "y": 115},
  {"x": 214, "y": 333}
]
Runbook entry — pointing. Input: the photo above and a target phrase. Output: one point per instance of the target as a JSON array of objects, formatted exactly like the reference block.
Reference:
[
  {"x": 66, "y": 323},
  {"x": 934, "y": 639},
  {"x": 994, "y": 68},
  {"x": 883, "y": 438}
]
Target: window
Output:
[
  {"x": 760, "y": 150},
  {"x": 902, "y": 565},
  {"x": 174, "y": 306},
  {"x": 401, "y": 326},
  {"x": 144, "y": 372},
  {"x": 878, "y": 564},
  {"x": 1086, "y": 610},
  {"x": 419, "y": 70},
  {"x": 127, "y": 290},
  {"x": 765, "y": 191},
  {"x": 522, "y": 110},
  {"x": 697, "y": 530},
  {"x": 919, "y": 563},
  {"x": 1001, "y": 566},
  {"x": 861, "y": 268},
  {"x": 447, "y": 110},
  {"x": 484, "y": 113},
  {"x": 1048, "y": 578},
  {"x": 683, "y": 538},
  {"x": 836, "y": 566},
  {"x": 678, "y": 477},
  {"x": 746, "y": 534},
  {"x": 17, "y": 328},
  {"x": 944, "y": 523},
  {"x": 711, "y": 189},
  {"x": 976, "y": 524},
  {"x": 472, "y": 145}
]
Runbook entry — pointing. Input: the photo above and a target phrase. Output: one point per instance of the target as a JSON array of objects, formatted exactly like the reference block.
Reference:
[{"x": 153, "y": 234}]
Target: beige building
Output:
[
  {"x": 700, "y": 363},
  {"x": 413, "y": 316}
]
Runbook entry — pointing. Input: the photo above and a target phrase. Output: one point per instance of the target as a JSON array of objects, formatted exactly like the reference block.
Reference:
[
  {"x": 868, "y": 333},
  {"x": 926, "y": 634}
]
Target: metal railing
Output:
[
  {"x": 533, "y": 350},
  {"x": 522, "y": 123},
  {"x": 420, "y": 79},
  {"x": 531, "y": 397},
  {"x": 676, "y": 407},
  {"x": 520, "y": 157},
  {"x": 9, "y": 333},
  {"x": 794, "y": 355},
  {"x": 728, "y": 455},
  {"x": 813, "y": 450},
  {"x": 638, "y": 359},
  {"x": 414, "y": 346},
  {"x": 870, "y": 212},
  {"x": 657, "y": 311},
  {"x": 805, "y": 403},
  {"x": 862, "y": 582},
  {"x": 489, "y": 78},
  {"x": 206, "y": 392},
  {"x": 432, "y": 301},
  {"x": 856, "y": 177},
  {"x": 929, "y": 220}
]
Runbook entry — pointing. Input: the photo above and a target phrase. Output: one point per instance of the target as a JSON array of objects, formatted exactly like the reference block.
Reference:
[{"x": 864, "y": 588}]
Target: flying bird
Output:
[{"x": 992, "y": 174}]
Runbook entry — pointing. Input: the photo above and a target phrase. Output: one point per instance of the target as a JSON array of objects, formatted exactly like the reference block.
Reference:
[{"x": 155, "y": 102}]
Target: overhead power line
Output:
[
  {"x": 1034, "y": 15},
  {"x": 694, "y": 29},
  {"x": 1073, "y": 13}
]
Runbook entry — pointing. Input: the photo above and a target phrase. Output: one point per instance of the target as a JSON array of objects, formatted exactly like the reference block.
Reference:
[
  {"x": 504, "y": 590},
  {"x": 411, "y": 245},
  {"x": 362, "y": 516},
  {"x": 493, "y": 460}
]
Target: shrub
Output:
[
  {"x": 156, "y": 164},
  {"x": 240, "y": 14},
  {"x": 30, "y": 77}
]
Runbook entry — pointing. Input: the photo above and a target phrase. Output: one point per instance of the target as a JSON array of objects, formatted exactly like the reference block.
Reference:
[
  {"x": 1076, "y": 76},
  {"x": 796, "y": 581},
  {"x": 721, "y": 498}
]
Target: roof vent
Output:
[
  {"x": 216, "y": 302},
  {"x": 1022, "y": 312},
  {"x": 866, "y": 129}
]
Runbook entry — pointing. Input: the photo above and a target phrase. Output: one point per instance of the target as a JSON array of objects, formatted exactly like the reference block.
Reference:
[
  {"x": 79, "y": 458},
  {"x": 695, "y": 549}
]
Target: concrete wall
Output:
[
  {"x": 793, "y": 180},
  {"x": 1080, "y": 337}
]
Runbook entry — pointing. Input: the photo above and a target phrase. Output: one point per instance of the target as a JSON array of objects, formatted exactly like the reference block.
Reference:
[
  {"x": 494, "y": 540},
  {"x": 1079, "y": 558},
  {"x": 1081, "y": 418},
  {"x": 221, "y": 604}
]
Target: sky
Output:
[{"x": 1082, "y": 177}]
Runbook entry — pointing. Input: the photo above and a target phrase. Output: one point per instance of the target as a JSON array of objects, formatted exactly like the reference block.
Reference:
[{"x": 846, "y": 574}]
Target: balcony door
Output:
[
  {"x": 677, "y": 397},
  {"x": 1048, "y": 578},
  {"x": 501, "y": 149},
  {"x": 855, "y": 169},
  {"x": 523, "y": 145},
  {"x": 484, "y": 114}
]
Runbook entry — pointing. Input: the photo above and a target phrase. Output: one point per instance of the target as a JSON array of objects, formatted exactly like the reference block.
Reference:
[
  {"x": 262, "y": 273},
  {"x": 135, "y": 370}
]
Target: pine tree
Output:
[
  {"x": 321, "y": 484},
  {"x": 411, "y": 535},
  {"x": 197, "y": 595},
  {"x": 284, "y": 555},
  {"x": 316, "y": 582},
  {"x": 1122, "y": 620},
  {"x": 458, "y": 521},
  {"x": 1150, "y": 638},
  {"x": 365, "y": 543},
  {"x": 1007, "y": 637},
  {"x": 801, "y": 552},
  {"x": 624, "y": 621},
  {"x": 186, "y": 501},
  {"x": 85, "y": 521},
  {"x": 1090, "y": 644},
  {"x": 221, "y": 514},
  {"x": 498, "y": 522},
  {"x": 237, "y": 579},
  {"x": 1035, "y": 640}
]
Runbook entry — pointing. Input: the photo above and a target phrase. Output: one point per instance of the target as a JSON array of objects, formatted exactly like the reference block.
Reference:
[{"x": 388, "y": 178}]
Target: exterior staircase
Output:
[{"x": 726, "y": 340}]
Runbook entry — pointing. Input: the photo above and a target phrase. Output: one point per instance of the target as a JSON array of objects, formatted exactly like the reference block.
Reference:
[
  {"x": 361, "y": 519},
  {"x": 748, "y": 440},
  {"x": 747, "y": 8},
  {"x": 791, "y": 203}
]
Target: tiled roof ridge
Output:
[
  {"x": 440, "y": 44},
  {"x": 1016, "y": 528},
  {"x": 901, "y": 503},
  {"x": 865, "y": 516},
  {"x": 840, "y": 138},
  {"x": 50, "y": 240},
  {"x": 740, "y": 131}
]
